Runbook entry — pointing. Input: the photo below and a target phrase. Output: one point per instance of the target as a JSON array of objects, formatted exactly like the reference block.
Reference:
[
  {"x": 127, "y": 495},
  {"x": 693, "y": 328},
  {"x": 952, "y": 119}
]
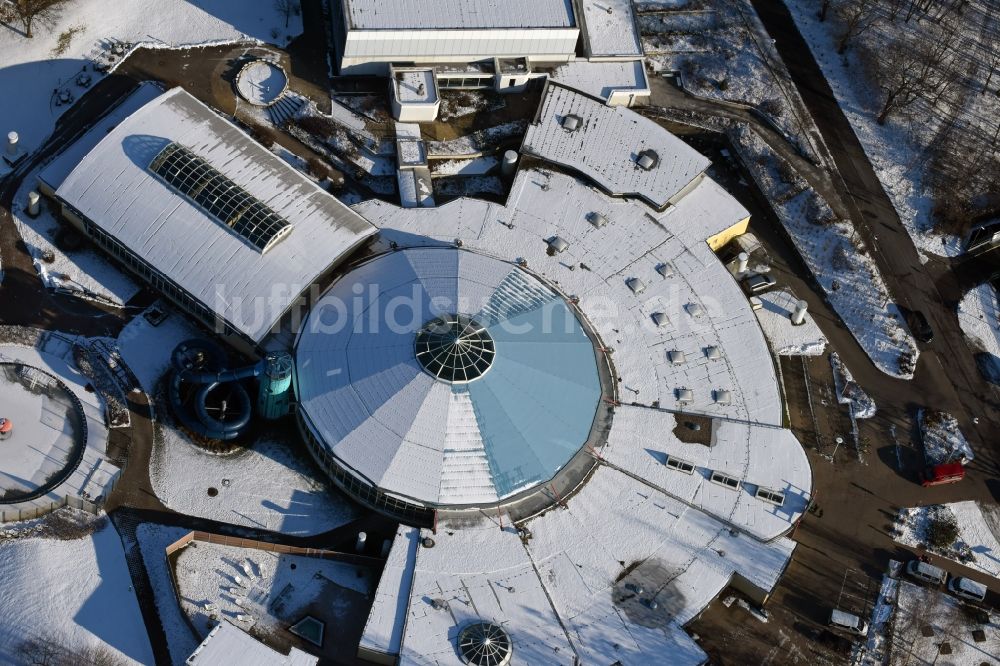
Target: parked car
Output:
[
  {"x": 919, "y": 326},
  {"x": 848, "y": 622},
  {"x": 936, "y": 475},
  {"x": 967, "y": 589},
  {"x": 928, "y": 573},
  {"x": 758, "y": 283}
]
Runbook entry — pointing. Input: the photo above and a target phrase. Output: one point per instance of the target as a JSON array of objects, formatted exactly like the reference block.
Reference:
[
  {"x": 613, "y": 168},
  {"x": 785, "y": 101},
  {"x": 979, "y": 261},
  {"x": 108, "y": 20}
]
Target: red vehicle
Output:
[{"x": 936, "y": 475}]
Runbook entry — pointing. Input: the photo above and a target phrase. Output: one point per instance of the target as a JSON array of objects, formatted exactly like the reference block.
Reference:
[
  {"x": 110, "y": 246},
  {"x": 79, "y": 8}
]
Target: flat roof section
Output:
[
  {"x": 609, "y": 28},
  {"x": 602, "y": 78},
  {"x": 114, "y": 188},
  {"x": 623, "y": 152},
  {"x": 457, "y": 14},
  {"x": 415, "y": 86}
]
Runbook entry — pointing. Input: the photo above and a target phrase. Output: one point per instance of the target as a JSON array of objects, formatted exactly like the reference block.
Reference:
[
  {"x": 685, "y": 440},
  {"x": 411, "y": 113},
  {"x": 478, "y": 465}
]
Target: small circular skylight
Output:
[
  {"x": 455, "y": 348},
  {"x": 484, "y": 644}
]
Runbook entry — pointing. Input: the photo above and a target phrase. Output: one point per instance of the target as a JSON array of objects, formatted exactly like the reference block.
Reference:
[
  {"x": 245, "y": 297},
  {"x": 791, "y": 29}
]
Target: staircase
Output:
[{"x": 285, "y": 108}]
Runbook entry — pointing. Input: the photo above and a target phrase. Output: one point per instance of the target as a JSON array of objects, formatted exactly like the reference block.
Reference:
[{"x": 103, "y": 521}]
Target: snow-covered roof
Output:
[
  {"x": 609, "y": 28},
  {"x": 564, "y": 595},
  {"x": 457, "y": 14},
  {"x": 228, "y": 645},
  {"x": 56, "y": 171},
  {"x": 384, "y": 629},
  {"x": 601, "y": 78},
  {"x": 758, "y": 456},
  {"x": 114, "y": 188},
  {"x": 414, "y": 86},
  {"x": 633, "y": 243},
  {"x": 608, "y": 145},
  {"x": 507, "y": 407}
]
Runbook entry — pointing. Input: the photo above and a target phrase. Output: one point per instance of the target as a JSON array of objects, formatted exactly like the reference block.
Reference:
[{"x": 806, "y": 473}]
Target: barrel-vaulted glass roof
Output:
[
  {"x": 447, "y": 377},
  {"x": 219, "y": 196}
]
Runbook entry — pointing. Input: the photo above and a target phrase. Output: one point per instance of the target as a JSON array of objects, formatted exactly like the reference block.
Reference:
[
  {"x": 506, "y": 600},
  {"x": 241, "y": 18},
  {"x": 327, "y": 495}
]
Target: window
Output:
[
  {"x": 770, "y": 496},
  {"x": 725, "y": 480},
  {"x": 220, "y": 197},
  {"x": 680, "y": 465}
]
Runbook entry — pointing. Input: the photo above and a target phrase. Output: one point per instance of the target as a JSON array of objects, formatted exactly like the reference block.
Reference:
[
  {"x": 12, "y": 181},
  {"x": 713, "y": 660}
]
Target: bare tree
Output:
[
  {"x": 287, "y": 8},
  {"x": 858, "y": 16},
  {"x": 909, "y": 69},
  {"x": 30, "y": 12}
]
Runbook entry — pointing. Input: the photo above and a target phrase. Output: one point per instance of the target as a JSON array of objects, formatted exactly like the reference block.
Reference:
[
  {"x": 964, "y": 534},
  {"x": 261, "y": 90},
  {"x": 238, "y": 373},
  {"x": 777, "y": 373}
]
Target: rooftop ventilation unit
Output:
[
  {"x": 712, "y": 353},
  {"x": 647, "y": 159},
  {"x": 665, "y": 269},
  {"x": 557, "y": 244},
  {"x": 636, "y": 285},
  {"x": 598, "y": 219},
  {"x": 723, "y": 397},
  {"x": 695, "y": 310},
  {"x": 659, "y": 318},
  {"x": 675, "y": 357},
  {"x": 685, "y": 396},
  {"x": 571, "y": 122}
]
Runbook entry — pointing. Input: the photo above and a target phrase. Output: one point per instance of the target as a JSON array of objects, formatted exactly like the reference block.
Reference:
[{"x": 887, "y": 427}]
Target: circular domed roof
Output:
[
  {"x": 447, "y": 377},
  {"x": 484, "y": 644}
]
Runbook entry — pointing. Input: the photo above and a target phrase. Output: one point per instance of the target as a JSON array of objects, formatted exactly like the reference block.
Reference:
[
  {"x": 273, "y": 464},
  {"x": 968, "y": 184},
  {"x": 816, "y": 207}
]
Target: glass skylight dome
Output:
[{"x": 443, "y": 378}]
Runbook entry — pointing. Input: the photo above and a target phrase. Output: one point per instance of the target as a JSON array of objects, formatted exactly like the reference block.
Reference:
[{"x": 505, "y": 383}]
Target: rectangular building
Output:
[{"x": 372, "y": 34}]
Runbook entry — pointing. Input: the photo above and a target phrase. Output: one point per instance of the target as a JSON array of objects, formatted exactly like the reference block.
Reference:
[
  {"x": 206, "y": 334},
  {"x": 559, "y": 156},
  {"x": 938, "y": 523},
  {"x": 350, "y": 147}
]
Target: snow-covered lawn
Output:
[
  {"x": 976, "y": 547},
  {"x": 837, "y": 258},
  {"x": 268, "y": 485},
  {"x": 979, "y": 317},
  {"x": 75, "y": 594},
  {"x": 146, "y": 348},
  {"x": 34, "y": 69},
  {"x": 723, "y": 52},
  {"x": 897, "y": 161},
  {"x": 849, "y": 392},
  {"x": 918, "y": 607},
  {"x": 943, "y": 441},
  {"x": 278, "y": 591},
  {"x": 152, "y": 541},
  {"x": 84, "y": 271}
]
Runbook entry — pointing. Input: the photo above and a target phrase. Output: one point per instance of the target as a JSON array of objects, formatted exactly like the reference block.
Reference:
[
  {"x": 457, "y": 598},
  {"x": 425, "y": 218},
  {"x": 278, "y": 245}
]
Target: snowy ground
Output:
[
  {"x": 85, "y": 271},
  {"x": 897, "y": 160},
  {"x": 977, "y": 546},
  {"x": 75, "y": 594},
  {"x": 837, "y": 258},
  {"x": 279, "y": 590},
  {"x": 979, "y": 317},
  {"x": 943, "y": 441},
  {"x": 152, "y": 540},
  {"x": 784, "y": 338},
  {"x": 849, "y": 392},
  {"x": 146, "y": 348},
  {"x": 35, "y": 68},
  {"x": 919, "y": 607},
  {"x": 268, "y": 486},
  {"x": 723, "y": 52}
]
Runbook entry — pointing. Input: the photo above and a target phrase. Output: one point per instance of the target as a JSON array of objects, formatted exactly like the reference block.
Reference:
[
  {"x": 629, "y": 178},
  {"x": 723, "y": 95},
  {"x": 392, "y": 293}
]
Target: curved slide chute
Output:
[{"x": 219, "y": 407}]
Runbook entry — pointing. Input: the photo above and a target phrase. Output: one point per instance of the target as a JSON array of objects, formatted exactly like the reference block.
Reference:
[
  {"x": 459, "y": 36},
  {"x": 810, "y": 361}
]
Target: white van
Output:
[
  {"x": 967, "y": 589},
  {"x": 848, "y": 622},
  {"x": 927, "y": 573}
]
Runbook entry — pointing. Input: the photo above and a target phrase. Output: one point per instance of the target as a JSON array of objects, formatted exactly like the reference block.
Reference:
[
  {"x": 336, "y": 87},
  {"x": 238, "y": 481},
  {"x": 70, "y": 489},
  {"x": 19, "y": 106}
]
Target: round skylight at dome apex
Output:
[
  {"x": 455, "y": 348},
  {"x": 485, "y": 644}
]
